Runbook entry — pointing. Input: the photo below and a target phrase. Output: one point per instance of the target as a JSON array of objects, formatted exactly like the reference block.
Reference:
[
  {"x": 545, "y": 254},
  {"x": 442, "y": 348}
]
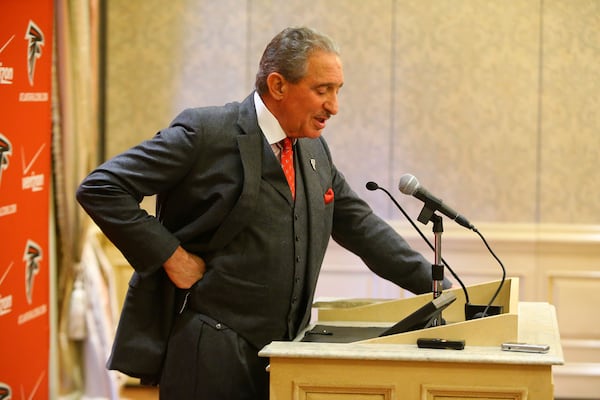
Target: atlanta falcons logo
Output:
[
  {"x": 32, "y": 258},
  {"x": 34, "y": 51},
  {"x": 5, "y": 392},
  {"x": 5, "y": 153}
]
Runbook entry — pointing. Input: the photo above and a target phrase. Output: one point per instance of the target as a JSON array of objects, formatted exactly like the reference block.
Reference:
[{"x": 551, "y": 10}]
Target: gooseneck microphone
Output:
[
  {"x": 410, "y": 185},
  {"x": 374, "y": 186}
]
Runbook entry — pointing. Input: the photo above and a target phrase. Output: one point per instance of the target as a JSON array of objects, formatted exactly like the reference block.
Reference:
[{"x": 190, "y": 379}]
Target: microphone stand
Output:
[
  {"x": 437, "y": 271},
  {"x": 437, "y": 268}
]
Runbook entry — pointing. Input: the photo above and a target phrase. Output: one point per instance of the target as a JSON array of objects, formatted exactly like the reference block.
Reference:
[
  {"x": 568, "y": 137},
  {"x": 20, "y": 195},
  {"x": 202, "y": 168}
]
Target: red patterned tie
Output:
[{"x": 287, "y": 163}]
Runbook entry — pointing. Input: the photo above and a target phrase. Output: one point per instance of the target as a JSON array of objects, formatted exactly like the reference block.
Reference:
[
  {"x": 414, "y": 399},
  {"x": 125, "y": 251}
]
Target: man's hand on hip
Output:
[{"x": 184, "y": 269}]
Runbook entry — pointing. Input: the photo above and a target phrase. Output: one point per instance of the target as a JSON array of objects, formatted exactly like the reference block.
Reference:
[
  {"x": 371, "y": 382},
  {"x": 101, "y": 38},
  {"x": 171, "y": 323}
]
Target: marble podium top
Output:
[{"x": 537, "y": 325}]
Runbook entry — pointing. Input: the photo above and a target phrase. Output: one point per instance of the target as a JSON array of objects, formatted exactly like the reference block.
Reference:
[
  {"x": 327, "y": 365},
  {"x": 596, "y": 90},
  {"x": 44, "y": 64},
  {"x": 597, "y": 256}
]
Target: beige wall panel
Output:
[
  {"x": 466, "y": 104},
  {"x": 359, "y": 135},
  {"x": 570, "y": 140},
  {"x": 212, "y": 49},
  {"x": 166, "y": 56},
  {"x": 573, "y": 294}
]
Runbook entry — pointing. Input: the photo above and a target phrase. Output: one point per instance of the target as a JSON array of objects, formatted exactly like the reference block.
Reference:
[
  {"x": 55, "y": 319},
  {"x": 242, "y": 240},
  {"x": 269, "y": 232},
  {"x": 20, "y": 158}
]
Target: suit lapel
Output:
[
  {"x": 242, "y": 211},
  {"x": 250, "y": 148}
]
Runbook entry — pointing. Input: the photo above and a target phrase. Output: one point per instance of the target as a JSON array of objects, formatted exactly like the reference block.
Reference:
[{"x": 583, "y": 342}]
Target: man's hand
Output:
[{"x": 184, "y": 269}]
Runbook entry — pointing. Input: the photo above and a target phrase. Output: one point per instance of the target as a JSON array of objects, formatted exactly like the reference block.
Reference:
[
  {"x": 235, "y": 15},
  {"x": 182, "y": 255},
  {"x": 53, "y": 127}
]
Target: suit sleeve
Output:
[{"x": 112, "y": 193}]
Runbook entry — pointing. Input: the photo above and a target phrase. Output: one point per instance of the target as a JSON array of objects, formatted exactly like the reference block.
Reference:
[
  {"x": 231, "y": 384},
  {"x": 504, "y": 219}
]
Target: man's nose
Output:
[{"x": 331, "y": 105}]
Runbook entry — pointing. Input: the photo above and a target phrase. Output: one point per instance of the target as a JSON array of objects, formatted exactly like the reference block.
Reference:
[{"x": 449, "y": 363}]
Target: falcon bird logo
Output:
[
  {"x": 5, "y": 153},
  {"x": 32, "y": 258},
  {"x": 34, "y": 50},
  {"x": 5, "y": 392}
]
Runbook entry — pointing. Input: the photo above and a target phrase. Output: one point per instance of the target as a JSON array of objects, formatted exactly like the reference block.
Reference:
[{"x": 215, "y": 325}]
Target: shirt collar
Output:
[{"x": 267, "y": 122}]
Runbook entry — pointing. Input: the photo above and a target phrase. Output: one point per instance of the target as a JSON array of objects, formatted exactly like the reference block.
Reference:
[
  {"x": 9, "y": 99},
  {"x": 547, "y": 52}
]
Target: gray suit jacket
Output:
[{"x": 206, "y": 171}]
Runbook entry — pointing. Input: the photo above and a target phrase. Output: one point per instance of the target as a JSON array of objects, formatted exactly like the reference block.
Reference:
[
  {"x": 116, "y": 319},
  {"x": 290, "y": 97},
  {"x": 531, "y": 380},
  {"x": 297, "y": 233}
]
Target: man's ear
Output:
[{"x": 277, "y": 85}]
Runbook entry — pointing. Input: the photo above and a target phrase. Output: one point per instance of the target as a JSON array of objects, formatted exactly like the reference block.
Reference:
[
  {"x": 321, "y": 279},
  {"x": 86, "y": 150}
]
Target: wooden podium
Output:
[{"x": 393, "y": 367}]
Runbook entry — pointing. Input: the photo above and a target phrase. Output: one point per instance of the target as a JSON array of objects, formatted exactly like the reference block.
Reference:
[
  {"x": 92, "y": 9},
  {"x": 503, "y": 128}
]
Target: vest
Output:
[{"x": 299, "y": 295}]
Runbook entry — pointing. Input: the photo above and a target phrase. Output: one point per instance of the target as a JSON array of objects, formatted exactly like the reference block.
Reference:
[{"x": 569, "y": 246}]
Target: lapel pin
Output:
[{"x": 313, "y": 163}]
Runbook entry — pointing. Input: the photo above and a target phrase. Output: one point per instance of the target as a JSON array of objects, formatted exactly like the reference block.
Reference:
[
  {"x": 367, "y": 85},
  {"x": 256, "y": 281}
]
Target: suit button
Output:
[{"x": 219, "y": 326}]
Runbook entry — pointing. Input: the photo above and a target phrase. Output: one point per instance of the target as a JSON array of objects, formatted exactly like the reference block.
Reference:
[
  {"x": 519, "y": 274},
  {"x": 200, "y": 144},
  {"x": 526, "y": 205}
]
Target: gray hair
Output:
[{"x": 288, "y": 53}]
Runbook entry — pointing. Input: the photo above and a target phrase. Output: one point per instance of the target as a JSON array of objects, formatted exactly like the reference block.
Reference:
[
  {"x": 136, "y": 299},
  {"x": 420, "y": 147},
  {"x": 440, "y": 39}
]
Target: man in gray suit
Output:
[{"x": 231, "y": 260}]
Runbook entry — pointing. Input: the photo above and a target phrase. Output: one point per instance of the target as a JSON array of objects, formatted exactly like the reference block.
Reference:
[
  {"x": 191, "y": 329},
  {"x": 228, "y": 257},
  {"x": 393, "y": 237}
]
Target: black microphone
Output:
[
  {"x": 411, "y": 186},
  {"x": 372, "y": 186}
]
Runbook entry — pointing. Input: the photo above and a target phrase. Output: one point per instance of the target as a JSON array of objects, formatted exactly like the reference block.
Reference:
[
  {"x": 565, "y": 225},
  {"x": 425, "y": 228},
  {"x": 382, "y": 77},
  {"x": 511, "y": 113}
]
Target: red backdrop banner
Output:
[{"x": 26, "y": 28}]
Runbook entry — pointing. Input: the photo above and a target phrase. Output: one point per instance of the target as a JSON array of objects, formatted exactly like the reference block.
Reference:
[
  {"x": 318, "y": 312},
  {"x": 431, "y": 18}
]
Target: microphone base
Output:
[{"x": 474, "y": 311}]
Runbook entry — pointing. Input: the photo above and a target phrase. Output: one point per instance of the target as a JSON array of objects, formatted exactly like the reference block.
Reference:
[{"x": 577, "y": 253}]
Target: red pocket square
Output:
[{"x": 328, "y": 197}]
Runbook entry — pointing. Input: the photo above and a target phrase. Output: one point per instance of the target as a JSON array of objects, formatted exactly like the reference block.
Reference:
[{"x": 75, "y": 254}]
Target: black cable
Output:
[{"x": 503, "y": 273}]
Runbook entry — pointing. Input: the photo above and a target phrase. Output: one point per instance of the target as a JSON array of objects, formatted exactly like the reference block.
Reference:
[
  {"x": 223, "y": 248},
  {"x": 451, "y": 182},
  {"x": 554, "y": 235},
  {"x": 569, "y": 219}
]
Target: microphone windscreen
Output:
[
  {"x": 408, "y": 184},
  {"x": 372, "y": 185}
]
